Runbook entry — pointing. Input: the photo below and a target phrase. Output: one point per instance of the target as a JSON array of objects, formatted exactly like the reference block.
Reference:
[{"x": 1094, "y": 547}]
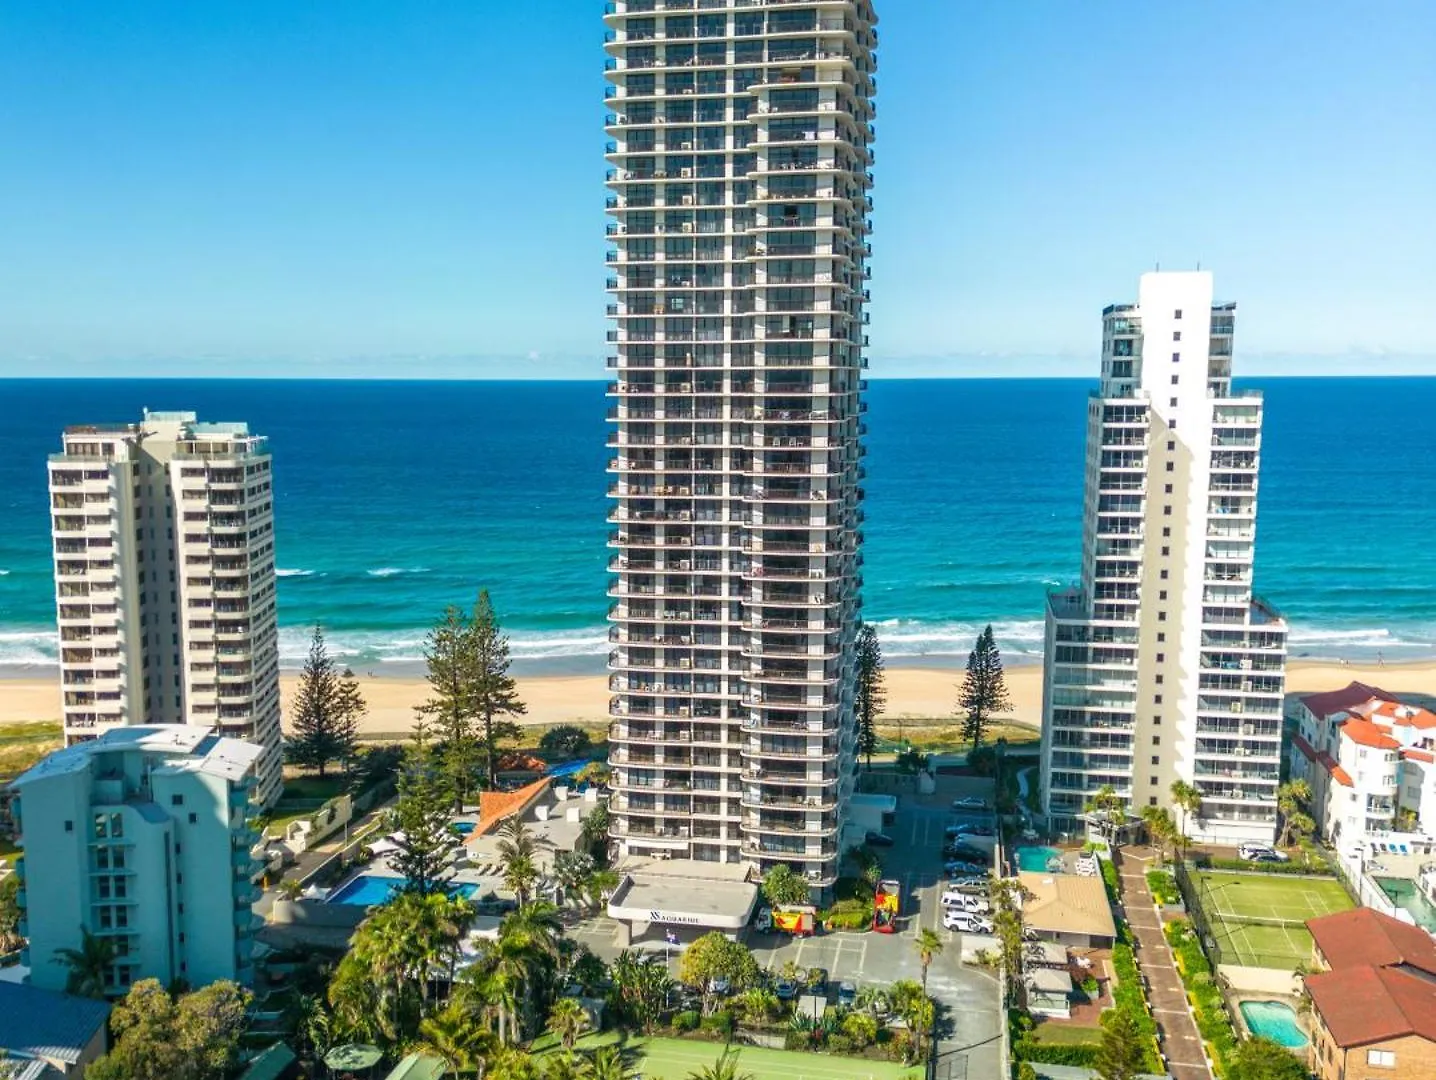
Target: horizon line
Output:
[{"x": 606, "y": 379}]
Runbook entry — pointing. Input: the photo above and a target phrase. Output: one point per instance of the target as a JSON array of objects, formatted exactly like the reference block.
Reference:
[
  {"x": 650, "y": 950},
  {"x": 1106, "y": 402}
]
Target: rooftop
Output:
[
  {"x": 1331, "y": 702},
  {"x": 1371, "y": 1004},
  {"x": 1365, "y": 938},
  {"x": 1365, "y": 733},
  {"x": 1397, "y": 714},
  {"x": 193, "y": 749},
  {"x": 44, "y": 1024},
  {"x": 1322, "y": 758},
  {"x": 685, "y": 892},
  {"x": 1067, "y": 904}
]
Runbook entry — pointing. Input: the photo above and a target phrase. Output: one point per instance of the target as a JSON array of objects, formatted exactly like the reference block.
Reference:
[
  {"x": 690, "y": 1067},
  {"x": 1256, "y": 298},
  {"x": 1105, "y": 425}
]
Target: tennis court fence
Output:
[{"x": 1216, "y": 928}]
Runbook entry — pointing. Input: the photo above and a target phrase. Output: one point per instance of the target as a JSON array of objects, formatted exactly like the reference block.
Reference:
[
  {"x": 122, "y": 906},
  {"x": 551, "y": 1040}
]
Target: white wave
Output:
[
  {"x": 1361, "y": 638},
  {"x": 29, "y": 647},
  {"x": 4, "y": 573},
  {"x": 395, "y": 571},
  {"x": 294, "y": 573},
  {"x": 909, "y": 637}
]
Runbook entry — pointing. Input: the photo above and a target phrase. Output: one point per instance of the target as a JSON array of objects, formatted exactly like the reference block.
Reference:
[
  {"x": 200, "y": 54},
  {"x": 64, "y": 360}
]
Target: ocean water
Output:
[{"x": 394, "y": 499}]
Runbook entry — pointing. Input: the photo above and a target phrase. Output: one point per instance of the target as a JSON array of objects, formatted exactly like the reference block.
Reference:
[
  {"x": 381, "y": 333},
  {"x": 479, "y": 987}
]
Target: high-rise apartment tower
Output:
[
  {"x": 1161, "y": 665},
  {"x": 164, "y": 581},
  {"x": 738, "y": 191}
]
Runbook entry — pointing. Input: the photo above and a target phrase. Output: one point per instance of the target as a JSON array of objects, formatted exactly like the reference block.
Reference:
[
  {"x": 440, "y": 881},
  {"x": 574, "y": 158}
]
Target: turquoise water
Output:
[
  {"x": 1404, "y": 894},
  {"x": 394, "y": 499},
  {"x": 1034, "y": 859},
  {"x": 366, "y": 890},
  {"x": 1274, "y": 1020},
  {"x": 463, "y": 828}
]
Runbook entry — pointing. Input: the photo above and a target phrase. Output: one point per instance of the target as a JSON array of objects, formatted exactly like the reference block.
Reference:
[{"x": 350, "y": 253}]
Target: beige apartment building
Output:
[
  {"x": 163, "y": 537},
  {"x": 738, "y": 197},
  {"x": 1161, "y": 665}
]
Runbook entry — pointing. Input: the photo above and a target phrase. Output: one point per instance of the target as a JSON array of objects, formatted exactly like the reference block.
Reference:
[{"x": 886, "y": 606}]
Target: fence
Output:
[{"x": 1214, "y": 926}]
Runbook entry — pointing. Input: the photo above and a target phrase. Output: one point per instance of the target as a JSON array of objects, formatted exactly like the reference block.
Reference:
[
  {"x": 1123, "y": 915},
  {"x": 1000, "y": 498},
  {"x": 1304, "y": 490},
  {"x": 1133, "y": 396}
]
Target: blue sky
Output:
[{"x": 378, "y": 188}]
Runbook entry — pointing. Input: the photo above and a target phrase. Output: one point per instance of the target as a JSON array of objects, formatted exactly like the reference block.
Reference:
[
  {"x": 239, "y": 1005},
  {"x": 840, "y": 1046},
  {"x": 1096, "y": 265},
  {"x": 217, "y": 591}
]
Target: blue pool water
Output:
[
  {"x": 366, "y": 890},
  {"x": 463, "y": 827},
  {"x": 1274, "y": 1020},
  {"x": 1034, "y": 860}
]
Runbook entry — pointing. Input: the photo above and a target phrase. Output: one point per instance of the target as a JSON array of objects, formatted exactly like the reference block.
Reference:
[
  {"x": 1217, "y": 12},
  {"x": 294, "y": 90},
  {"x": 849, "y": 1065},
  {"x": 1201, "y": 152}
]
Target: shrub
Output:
[
  {"x": 1113, "y": 883},
  {"x": 796, "y": 1040},
  {"x": 688, "y": 1020},
  {"x": 1213, "y": 1023},
  {"x": 1318, "y": 868},
  {"x": 1026, "y": 1071},
  {"x": 861, "y": 1029},
  {"x": 1164, "y": 887},
  {"x": 566, "y": 740},
  {"x": 840, "y": 1044},
  {"x": 720, "y": 1023}
]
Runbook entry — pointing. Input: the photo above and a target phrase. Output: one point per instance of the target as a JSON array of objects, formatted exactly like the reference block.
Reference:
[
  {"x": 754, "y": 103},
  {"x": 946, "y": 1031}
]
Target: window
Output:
[
  {"x": 1154, "y": 780},
  {"x": 1151, "y": 800},
  {"x": 1176, "y": 379},
  {"x": 194, "y": 819},
  {"x": 1160, "y": 680},
  {"x": 1171, "y": 444},
  {"x": 1171, "y": 466},
  {"x": 1385, "y": 1058},
  {"x": 1176, "y": 359},
  {"x": 1156, "y": 740},
  {"x": 176, "y": 800},
  {"x": 1162, "y": 595},
  {"x": 69, "y": 826},
  {"x": 1178, "y": 314},
  {"x": 1157, "y": 721},
  {"x": 1167, "y": 511},
  {"x": 1161, "y": 616},
  {"x": 1161, "y": 657},
  {"x": 1161, "y": 637},
  {"x": 1165, "y": 572},
  {"x": 1176, "y": 335},
  {"x": 1156, "y": 699},
  {"x": 1173, "y": 403},
  {"x": 1165, "y": 551},
  {"x": 1166, "y": 530},
  {"x": 1156, "y": 759},
  {"x": 1168, "y": 489}
]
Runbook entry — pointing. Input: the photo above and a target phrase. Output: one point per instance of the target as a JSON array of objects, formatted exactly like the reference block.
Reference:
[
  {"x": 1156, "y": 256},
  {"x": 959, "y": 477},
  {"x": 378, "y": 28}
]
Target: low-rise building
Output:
[
  {"x": 61, "y": 1033},
  {"x": 1370, "y": 760},
  {"x": 1373, "y": 1004},
  {"x": 1068, "y": 909},
  {"x": 140, "y": 837}
]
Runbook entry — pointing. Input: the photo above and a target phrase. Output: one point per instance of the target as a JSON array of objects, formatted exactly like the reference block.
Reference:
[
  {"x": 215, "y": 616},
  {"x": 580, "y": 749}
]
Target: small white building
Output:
[
  {"x": 1370, "y": 760},
  {"x": 140, "y": 837}
]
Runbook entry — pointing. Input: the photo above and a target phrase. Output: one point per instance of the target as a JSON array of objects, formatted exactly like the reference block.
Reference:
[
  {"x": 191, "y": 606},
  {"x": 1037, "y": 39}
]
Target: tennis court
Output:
[
  {"x": 674, "y": 1059},
  {"x": 1258, "y": 920}
]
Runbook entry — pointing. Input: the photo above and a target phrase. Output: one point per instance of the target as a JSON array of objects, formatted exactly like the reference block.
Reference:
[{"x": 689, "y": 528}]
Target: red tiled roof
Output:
[
  {"x": 1399, "y": 714},
  {"x": 1325, "y": 760},
  {"x": 494, "y": 806},
  {"x": 1365, "y": 733},
  {"x": 1307, "y": 750},
  {"x": 1364, "y": 938},
  {"x": 1369, "y": 1004},
  {"x": 1335, "y": 701},
  {"x": 1419, "y": 755}
]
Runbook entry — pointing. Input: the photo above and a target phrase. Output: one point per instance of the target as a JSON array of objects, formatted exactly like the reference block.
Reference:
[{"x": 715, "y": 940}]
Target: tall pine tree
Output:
[
  {"x": 984, "y": 689},
  {"x": 324, "y": 715},
  {"x": 452, "y": 672},
  {"x": 872, "y": 693},
  {"x": 495, "y": 695},
  {"x": 423, "y": 815}
]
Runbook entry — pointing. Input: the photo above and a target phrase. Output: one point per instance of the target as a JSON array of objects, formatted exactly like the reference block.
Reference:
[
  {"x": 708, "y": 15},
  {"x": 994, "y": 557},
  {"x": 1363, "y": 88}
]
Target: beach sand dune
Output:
[{"x": 912, "y": 693}]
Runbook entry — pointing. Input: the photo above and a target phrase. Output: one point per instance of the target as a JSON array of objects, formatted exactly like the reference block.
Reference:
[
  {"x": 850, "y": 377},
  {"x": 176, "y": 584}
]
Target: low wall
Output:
[
  {"x": 316, "y": 913},
  {"x": 1258, "y": 980}
]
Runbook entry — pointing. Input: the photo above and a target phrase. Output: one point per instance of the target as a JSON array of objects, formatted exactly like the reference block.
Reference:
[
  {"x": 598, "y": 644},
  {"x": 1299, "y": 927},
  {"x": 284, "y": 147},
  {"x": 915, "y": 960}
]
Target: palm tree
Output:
[
  {"x": 511, "y": 1064},
  {"x": 568, "y": 1020},
  {"x": 725, "y": 1068},
  {"x": 606, "y": 1063},
  {"x": 90, "y": 965},
  {"x": 538, "y": 926},
  {"x": 1188, "y": 799},
  {"x": 562, "y": 1066},
  {"x": 1160, "y": 828},
  {"x": 928, "y": 945},
  {"x": 1109, "y": 808},
  {"x": 456, "y": 1038},
  {"x": 1291, "y": 798},
  {"x": 518, "y": 850}
]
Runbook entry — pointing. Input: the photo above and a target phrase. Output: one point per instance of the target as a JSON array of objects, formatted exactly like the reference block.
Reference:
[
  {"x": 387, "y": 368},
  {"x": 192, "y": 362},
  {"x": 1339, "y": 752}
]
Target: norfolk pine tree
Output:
[
  {"x": 494, "y": 693},
  {"x": 326, "y": 711},
  {"x": 423, "y": 815},
  {"x": 452, "y": 671},
  {"x": 872, "y": 695},
  {"x": 984, "y": 689}
]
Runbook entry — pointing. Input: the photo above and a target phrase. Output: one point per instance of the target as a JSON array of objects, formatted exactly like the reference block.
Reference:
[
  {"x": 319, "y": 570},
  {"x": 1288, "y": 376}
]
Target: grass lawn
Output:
[
  {"x": 311, "y": 787},
  {"x": 943, "y": 734},
  {"x": 21, "y": 745},
  {"x": 1066, "y": 1034},
  {"x": 1230, "y": 900},
  {"x": 673, "y": 1059}
]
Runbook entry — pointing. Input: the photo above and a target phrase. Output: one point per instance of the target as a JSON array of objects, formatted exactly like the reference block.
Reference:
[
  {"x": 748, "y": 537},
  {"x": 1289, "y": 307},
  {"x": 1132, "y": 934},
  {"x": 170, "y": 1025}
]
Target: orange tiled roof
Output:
[
  {"x": 1419, "y": 755},
  {"x": 1397, "y": 714},
  {"x": 1365, "y": 733},
  {"x": 1363, "y": 937},
  {"x": 1334, "y": 701},
  {"x": 494, "y": 806},
  {"x": 1370, "y": 1004},
  {"x": 1325, "y": 760}
]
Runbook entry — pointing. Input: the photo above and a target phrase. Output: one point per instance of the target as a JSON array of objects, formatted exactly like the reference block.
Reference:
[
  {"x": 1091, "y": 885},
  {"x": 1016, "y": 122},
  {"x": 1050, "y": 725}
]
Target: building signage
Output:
[{"x": 670, "y": 917}]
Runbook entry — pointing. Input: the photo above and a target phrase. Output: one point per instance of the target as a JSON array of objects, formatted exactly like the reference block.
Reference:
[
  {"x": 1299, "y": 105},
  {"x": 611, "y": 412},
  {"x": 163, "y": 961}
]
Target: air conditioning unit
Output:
[
  {"x": 688, "y": 226},
  {"x": 688, "y": 200},
  {"x": 685, "y": 173},
  {"x": 1236, "y": 706},
  {"x": 685, "y": 146}
]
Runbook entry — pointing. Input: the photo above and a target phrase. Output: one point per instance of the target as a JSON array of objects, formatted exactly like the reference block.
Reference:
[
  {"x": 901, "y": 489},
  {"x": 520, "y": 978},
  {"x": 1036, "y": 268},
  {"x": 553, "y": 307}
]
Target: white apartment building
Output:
[
  {"x": 139, "y": 836},
  {"x": 1161, "y": 665},
  {"x": 164, "y": 580},
  {"x": 738, "y": 193},
  {"x": 1370, "y": 760}
]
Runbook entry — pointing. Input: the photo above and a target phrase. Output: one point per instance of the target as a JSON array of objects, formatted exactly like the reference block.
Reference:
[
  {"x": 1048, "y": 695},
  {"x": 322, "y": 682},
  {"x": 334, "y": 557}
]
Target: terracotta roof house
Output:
[
  {"x": 1068, "y": 909},
  {"x": 1373, "y": 1008}
]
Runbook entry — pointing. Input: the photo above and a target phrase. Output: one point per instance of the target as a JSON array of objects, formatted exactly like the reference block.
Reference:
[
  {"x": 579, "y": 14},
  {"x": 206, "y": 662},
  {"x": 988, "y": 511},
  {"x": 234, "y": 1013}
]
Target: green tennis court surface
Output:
[
  {"x": 674, "y": 1059},
  {"x": 1243, "y": 912}
]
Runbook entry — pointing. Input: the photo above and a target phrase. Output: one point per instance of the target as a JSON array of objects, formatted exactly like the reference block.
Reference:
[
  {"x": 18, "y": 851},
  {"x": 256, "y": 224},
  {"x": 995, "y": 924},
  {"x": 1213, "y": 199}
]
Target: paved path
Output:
[{"x": 1176, "y": 1029}]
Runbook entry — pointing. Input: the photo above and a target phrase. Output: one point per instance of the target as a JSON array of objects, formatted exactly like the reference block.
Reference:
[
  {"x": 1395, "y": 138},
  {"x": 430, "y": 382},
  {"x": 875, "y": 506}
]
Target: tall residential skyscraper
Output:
[
  {"x": 164, "y": 581},
  {"x": 738, "y": 191},
  {"x": 1162, "y": 665},
  {"x": 140, "y": 838}
]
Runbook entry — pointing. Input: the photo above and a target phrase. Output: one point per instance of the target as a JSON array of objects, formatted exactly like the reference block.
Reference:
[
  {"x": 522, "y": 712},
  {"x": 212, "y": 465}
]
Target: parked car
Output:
[
  {"x": 955, "y": 898},
  {"x": 847, "y": 994},
  {"x": 1261, "y": 853},
  {"x": 972, "y": 882},
  {"x": 971, "y": 802},
  {"x": 877, "y": 839},
  {"x": 966, "y": 922},
  {"x": 964, "y": 853},
  {"x": 958, "y": 868},
  {"x": 786, "y": 989},
  {"x": 764, "y": 919}
]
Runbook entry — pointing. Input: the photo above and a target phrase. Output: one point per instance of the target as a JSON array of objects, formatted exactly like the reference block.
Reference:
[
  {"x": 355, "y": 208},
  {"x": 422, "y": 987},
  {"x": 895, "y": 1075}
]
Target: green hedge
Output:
[
  {"x": 1083, "y": 1055},
  {"x": 1213, "y": 1022},
  {"x": 1318, "y": 868},
  {"x": 1164, "y": 887}
]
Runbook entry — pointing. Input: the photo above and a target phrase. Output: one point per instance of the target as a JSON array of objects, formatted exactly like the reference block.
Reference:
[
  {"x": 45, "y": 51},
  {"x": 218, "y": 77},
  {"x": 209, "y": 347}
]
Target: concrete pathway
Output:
[{"x": 1176, "y": 1030}]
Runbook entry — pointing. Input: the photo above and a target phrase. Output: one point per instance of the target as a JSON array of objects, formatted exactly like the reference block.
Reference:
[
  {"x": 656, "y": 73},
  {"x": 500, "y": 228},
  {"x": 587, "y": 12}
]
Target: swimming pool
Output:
[
  {"x": 1035, "y": 860},
  {"x": 366, "y": 890},
  {"x": 1274, "y": 1020},
  {"x": 1403, "y": 893},
  {"x": 463, "y": 828}
]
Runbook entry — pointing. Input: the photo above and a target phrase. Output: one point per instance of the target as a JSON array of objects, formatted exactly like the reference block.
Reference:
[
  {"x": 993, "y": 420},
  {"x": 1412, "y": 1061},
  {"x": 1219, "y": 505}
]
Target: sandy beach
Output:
[{"x": 912, "y": 692}]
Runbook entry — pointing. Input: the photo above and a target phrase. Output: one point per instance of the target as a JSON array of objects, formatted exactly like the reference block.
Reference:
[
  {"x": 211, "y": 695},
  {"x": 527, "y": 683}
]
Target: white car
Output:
[
  {"x": 966, "y": 922},
  {"x": 971, "y": 802},
  {"x": 1262, "y": 853},
  {"x": 963, "y": 901}
]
